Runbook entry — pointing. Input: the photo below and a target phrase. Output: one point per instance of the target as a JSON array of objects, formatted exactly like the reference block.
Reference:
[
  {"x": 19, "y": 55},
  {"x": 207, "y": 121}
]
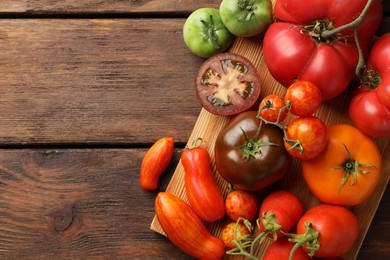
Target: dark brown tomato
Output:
[
  {"x": 251, "y": 159},
  {"x": 227, "y": 84}
]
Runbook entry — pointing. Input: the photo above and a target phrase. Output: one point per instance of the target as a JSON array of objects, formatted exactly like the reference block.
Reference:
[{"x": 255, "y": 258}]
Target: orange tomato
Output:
[
  {"x": 155, "y": 161},
  {"x": 347, "y": 171}
]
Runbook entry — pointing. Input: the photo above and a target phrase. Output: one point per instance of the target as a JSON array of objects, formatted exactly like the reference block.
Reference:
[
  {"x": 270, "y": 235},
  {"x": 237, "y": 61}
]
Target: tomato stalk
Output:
[
  {"x": 351, "y": 168},
  {"x": 252, "y": 147},
  {"x": 211, "y": 32},
  {"x": 243, "y": 242},
  {"x": 309, "y": 240},
  {"x": 249, "y": 7}
]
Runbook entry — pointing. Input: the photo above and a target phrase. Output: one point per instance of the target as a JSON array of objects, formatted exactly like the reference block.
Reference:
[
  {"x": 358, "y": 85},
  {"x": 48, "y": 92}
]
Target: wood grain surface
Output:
[{"x": 85, "y": 88}]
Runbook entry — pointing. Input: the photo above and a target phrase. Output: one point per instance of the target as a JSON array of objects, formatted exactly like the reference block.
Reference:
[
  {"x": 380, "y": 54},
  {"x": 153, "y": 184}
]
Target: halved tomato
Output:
[{"x": 227, "y": 84}]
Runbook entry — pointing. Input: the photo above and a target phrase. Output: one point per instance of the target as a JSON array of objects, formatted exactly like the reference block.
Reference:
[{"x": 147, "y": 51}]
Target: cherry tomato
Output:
[
  {"x": 248, "y": 158},
  {"x": 205, "y": 34},
  {"x": 326, "y": 231},
  {"x": 228, "y": 233},
  {"x": 279, "y": 211},
  {"x": 306, "y": 137},
  {"x": 273, "y": 108},
  {"x": 227, "y": 84},
  {"x": 185, "y": 229},
  {"x": 281, "y": 249},
  {"x": 347, "y": 171},
  {"x": 305, "y": 98},
  {"x": 202, "y": 191},
  {"x": 241, "y": 204},
  {"x": 155, "y": 161},
  {"x": 298, "y": 45}
]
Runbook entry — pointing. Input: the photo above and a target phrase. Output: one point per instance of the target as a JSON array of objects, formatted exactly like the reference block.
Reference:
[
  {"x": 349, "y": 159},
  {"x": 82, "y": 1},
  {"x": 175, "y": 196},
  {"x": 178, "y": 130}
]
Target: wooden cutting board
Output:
[{"x": 208, "y": 126}]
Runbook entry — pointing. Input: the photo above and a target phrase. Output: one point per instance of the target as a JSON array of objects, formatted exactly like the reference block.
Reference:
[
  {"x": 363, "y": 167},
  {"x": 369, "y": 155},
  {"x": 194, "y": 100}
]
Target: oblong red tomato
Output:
[
  {"x": 348, "y": 170},
  {"x": 185, "y": 229},
  {"x": 155, "y": 161},
  {"x": 202, "y": 191}
]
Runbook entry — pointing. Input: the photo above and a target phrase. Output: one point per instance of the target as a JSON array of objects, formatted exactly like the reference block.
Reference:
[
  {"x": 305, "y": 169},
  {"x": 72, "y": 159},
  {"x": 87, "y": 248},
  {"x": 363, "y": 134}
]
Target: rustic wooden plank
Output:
[
  {"x": 87, "y": 203},
  {"x": 31, "y": 7},
  {"x": 95, "y": 81},
  {"x": 110, "y": 6}
]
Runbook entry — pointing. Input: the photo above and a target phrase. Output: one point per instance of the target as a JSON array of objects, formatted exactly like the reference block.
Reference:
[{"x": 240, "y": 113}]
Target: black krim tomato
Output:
[
  {"x": 205, "y": 34},
  {"x": 227, "y": 84},
  {"x": 250, "y": 154}
]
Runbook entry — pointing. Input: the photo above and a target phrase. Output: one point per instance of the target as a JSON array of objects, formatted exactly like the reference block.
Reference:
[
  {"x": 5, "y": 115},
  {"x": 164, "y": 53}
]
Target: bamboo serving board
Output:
[{"x": 208, "y": 126}]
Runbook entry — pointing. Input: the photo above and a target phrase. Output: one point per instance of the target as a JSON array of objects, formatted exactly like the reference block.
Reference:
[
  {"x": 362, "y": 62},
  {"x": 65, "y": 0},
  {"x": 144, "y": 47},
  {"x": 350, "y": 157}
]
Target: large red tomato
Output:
[
  {"x": 298, "y": 39},
  {"x": 370, "y": 107}
]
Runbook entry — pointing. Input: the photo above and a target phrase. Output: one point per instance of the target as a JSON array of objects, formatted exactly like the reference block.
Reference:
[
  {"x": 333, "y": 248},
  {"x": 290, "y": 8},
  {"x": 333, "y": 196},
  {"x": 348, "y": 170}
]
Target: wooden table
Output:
[{"x": 85, "y": 88}]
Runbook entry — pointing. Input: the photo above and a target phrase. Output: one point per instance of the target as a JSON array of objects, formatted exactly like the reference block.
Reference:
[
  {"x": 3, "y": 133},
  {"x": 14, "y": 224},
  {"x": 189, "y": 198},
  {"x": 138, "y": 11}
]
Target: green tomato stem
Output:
[{"x": 211, "y": 32}]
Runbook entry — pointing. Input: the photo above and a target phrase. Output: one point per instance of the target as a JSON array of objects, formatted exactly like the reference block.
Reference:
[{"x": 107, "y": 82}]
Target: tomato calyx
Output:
[
  {"x": 211, "y": 32},
  {"x": 370, "y": 79},
  {"x": 271, "y": 227},
  {"x": 252, "y": 147},
  {"x": 308, "y": 240},
  {"x": 316, "y": 29},
  {"x": 243, "y": 242},
  {"x": 351, "y": 168},
  {"x": 249, "y": 7}
]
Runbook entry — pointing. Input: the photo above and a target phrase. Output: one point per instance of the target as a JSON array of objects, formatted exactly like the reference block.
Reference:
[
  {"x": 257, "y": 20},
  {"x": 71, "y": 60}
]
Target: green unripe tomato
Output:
[
  {"x": 246, "y": 18},
  {"x": 205, "y": 34}
]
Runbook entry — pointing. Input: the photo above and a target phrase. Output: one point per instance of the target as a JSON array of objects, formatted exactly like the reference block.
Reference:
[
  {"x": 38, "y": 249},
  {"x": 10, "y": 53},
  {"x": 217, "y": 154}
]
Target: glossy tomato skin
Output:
[
  {"x": 202, "y": 191},
  {"x": 241, "y": 204},
  {"x": 185, "y": 229},
  {"x": 227, "y": 84},
  {"x": 253, "y": 173},
  {"x": 246, "y": 18},
  {"x": 330, "y": 66},
  {"x": 205, "y": 34},
  {"x": 310, "y": 132},
  {"x": 338, "y": 229},
  {"x": 155, "y": 161},
  {"x": 286, "y": 207},
  {"x": 305, "y": 98},
  {"x": 324, "y": 180},
  {"x": 280, "y": 250},
  {"x": 369, "y": 109}
]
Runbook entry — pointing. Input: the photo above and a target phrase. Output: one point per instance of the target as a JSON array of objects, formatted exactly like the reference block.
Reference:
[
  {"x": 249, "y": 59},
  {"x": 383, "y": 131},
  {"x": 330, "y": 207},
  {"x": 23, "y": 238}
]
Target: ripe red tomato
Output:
[
  {"x": 305, "y": 137},
  {"x": 185, "y": 229},
  {"x": 227, "y": 84},
  {"x": 295, "y": 47},
  {"x": 273, "y": 108},
  {"x": 347, "y": 171},
  {"x": 241, "y": 204},
  {"x": 242, "y": 235},
  {"x": 155, "y": 161},
  {"x": 281, "y": 249},
  {"x": 250, "y": 159},
  {"x": 305, "y": 98},
  {"x": 202, "y": 191},
  {"x": 279, "y": 211},
  {"x": 329, "y": 230},
  {"x": 370, "y": 107}
]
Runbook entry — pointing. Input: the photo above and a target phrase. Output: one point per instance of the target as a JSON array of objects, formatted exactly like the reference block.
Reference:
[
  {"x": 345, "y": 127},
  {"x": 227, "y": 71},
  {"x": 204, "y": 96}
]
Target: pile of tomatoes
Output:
[{"x": 315, "y": 50}]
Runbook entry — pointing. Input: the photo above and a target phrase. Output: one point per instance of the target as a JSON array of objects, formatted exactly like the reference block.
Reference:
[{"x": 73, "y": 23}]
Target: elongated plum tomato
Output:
[
  {"x": 202, "y": 191},
  {"x": 155, "y": 161},
  {"x": 185, "y": 229},
  {"x": 348, "y": 170},
  {"x": 227, "y": 84},
  {"x": 250, "y": 159},
  {"x": 205, "y": 34}
]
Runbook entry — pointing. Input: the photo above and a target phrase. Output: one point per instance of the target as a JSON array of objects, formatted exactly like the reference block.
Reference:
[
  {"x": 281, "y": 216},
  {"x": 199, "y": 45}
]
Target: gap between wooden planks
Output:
[{"x": 208, "y": 126}]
